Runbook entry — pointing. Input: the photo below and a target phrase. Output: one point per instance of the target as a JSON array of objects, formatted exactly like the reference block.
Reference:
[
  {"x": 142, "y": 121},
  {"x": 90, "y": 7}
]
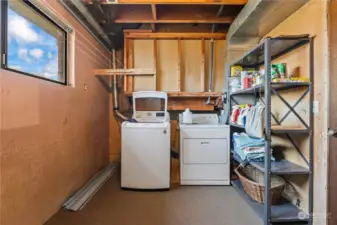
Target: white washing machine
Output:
[{"x": 146, "y": 153}]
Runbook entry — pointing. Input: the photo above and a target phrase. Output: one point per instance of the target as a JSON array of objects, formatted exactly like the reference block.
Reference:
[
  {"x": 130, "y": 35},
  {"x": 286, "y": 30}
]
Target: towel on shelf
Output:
[{"x": 248, "y": 148}]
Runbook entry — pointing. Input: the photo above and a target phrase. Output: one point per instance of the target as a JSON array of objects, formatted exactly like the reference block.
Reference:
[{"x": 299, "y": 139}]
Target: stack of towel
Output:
[{"x": 248, "y": 148}]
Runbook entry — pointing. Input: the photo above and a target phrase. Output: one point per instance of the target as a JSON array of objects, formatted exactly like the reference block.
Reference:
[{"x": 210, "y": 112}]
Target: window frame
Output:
[{"x": 4, "y": 39}]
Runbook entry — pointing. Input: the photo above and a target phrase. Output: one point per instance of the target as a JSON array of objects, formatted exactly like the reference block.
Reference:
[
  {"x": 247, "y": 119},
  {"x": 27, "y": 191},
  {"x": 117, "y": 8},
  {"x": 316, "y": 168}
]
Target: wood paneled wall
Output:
[{"x": 182, "y": 65}]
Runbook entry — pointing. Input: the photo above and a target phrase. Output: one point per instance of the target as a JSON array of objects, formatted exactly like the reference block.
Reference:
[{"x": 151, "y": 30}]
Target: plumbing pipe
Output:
[
  {"x": 211, "y": 63},
  {"x": 116, "y": 108},
  {"x": 118, "y": 114}
]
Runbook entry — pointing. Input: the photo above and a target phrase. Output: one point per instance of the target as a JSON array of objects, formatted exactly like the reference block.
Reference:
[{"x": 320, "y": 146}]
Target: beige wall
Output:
[
  {"x": 167, "y": 65},
  {"x": 53, "y": 137},
  {"x": 312, "y": 19}
]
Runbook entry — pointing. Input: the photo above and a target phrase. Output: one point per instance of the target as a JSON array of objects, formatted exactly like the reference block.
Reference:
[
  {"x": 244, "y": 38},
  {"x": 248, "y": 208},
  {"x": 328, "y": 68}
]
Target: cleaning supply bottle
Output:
[{"x": 187, "y": 116}]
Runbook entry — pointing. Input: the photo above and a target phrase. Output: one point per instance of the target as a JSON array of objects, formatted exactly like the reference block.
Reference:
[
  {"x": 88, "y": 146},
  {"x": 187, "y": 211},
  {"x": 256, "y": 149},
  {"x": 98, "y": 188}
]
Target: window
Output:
[{"x": 32, "y": 44}]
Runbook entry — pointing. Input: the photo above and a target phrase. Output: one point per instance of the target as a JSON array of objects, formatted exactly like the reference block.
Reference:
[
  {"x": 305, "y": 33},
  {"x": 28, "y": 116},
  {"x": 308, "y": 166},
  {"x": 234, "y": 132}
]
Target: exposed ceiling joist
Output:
[
  {"x": 226, "y": 20},
  {"x": 164, "y": 35},
  {"x": 210, "y": 2},
  {"x": 170, "y": 14}
]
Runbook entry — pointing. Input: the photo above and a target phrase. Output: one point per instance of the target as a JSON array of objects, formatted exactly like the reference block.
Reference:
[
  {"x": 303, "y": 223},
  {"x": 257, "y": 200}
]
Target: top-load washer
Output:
[{"x": 146, "y": 153}]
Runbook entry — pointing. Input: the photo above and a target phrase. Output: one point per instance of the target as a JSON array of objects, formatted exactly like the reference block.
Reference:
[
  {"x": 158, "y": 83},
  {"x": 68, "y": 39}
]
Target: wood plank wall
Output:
[{"x": 190, "y": 67}]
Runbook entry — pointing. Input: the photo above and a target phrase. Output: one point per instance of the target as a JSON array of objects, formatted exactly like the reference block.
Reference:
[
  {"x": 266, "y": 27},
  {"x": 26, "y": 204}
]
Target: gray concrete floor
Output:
[{"x": 184, "y": 205}]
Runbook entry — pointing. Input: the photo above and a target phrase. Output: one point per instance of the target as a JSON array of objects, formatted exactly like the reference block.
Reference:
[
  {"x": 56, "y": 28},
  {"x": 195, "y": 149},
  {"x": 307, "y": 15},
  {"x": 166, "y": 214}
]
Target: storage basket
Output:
[{"x": 253, "y": 183}]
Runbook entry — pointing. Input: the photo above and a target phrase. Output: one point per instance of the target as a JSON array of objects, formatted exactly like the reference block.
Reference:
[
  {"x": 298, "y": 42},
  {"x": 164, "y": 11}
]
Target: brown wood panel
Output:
[
  {"x": 167, "y": 74},
  {"x": 195, "y": 104},
  {"x": 219, "y": 65},
  {"x": 191, "y": 70},
  {"x": 143, "y": 58}
]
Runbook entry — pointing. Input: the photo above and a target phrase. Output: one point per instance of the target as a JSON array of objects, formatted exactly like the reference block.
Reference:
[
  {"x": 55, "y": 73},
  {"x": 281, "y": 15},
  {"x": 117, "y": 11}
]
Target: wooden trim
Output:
[
  {"x": 181, "y": 94},
  {"x": 122, "y": 72},
  {"x": 202, "y": 2},
  {"x": 137, "y": 31},
  {"x": 163, "y": 35},
  {"x": 155, "y": 54},
  {"x": 202, "y": 67},
  {"x": 154, "y": 15},
  {"x": 180, "y": 57},
  {"x": 222, "y": 20}
]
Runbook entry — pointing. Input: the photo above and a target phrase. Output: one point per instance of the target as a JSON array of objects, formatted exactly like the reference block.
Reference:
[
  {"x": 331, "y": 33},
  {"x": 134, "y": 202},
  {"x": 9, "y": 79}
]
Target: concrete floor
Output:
[{"x": 184, "y": 205}]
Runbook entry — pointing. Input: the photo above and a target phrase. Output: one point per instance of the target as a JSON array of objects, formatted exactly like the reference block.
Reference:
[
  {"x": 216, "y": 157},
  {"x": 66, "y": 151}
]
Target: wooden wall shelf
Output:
[
  {"x": 122, "y": 72},
  {"x": 179, "y": 94}
]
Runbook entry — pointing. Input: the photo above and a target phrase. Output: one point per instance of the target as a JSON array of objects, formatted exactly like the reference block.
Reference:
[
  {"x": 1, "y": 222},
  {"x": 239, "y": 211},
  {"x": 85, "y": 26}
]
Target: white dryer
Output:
[
  {"x": 204, "y": 151},
  {"x": 146, "y": 152}
]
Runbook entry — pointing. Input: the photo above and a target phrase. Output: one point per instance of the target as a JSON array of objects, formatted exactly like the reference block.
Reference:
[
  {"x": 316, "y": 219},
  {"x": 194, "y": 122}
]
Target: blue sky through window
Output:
[{"x": 30, "y": 48}]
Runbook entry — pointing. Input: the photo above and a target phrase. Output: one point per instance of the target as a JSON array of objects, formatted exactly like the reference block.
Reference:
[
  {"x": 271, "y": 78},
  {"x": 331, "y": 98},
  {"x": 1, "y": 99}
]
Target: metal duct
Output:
[{"x": 90, "y": 19}]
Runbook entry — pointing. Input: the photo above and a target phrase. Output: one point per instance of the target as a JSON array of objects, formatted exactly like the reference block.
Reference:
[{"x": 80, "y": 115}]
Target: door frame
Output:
[{"x": 332, "y": 115}]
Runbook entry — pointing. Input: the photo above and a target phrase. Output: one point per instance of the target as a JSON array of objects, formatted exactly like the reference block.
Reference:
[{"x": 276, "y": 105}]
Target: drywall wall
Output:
[
  {"x": 312, "y": 19},
  {"x": 53, "y": 137},
  {"x": 169, "y": 68}
]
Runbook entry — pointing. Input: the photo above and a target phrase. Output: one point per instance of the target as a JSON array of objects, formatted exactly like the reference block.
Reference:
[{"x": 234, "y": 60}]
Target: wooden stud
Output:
[
  {"x": 125, "y": 62},
  {"x": 155, "y": 62},
  {"x": 222, "y": 20},
  {"x": 130, "y": 65},
  {"x": 202, "y": 68},
  {"x": 163, "y": 35},
  {"x": 154, "y": 15},
  {"x": 179, "y": 64},
  {"x": 154, "y": 11}
]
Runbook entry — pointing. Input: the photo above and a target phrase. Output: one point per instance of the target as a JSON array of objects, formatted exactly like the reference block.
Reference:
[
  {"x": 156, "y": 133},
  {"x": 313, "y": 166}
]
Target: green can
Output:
[{"x": 281, "y": 68}]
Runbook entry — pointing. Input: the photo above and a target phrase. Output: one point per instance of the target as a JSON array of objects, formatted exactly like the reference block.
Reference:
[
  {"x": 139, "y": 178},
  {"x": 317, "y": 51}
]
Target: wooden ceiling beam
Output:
[
  {"x": 164, "y": 35},
  {"x": 198, "y": 2},
  {"x": 222, "y": 20}
]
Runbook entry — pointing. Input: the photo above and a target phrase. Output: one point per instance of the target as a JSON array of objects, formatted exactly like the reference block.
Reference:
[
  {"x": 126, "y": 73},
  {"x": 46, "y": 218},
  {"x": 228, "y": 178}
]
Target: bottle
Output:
[{"x": 187, "y": 116}]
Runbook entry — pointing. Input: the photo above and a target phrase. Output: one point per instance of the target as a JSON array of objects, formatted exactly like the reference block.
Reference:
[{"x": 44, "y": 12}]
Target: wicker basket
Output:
[{"x": 253, "y": 183}]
